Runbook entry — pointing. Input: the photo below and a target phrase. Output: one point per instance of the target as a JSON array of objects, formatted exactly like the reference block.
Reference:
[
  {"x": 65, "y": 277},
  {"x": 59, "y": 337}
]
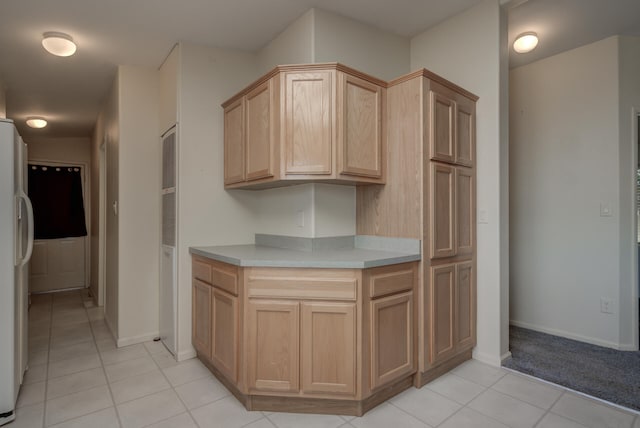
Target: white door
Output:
[{"x": 59, "y": 264}]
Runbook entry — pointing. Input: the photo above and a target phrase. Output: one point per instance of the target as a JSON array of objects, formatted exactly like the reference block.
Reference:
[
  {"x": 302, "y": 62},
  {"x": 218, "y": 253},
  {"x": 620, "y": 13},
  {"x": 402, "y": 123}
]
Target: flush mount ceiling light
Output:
[
  {"x": 525, "y": 42},
  {"x": 36, "y": 122},
  {"x": 58, "y": 44}
]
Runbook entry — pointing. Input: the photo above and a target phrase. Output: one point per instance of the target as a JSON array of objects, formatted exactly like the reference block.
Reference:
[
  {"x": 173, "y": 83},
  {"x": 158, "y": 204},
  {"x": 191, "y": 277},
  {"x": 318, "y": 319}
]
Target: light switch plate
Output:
[
  {"x": 483, "y": 217},
  {"x": 605, "y": 209}
]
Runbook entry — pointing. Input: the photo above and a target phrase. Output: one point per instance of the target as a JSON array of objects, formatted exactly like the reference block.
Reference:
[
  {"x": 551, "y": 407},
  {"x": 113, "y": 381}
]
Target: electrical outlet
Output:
[
  {"x": 606, "y": 305},
  {"x": 300, "y": 218}
]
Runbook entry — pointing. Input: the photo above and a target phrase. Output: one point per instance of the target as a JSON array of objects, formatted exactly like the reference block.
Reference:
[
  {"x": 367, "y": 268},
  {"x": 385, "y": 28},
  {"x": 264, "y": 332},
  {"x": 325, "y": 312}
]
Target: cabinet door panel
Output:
[
  {"x": 273, "y": 332},
  {"x": 328, "y": 351},
  {"x": 234, "y": 143},
  {"x": 465, "y": 305},
  {"x": 442, "y": 127},
  {"x": 308, "y": 120},
  {"x": 442, "y": 211},
  {"x": 201, "y": 318},
  {"x": 391, "y": 338},
  {"x": 465, "y": 211},
  {"x": 360, "y": 127},
  {"x": 465, "y": 132},
  {"x": 224, "y": 349},
  {"x": 259, "y": 132},
  {"x": 442, "y": 309}
]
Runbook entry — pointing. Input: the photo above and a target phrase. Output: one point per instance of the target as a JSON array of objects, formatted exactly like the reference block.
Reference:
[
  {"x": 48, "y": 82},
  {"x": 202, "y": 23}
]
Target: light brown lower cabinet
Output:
[
  {"x": 307, "y": 340},
  {"x": 452, "y": 295}
]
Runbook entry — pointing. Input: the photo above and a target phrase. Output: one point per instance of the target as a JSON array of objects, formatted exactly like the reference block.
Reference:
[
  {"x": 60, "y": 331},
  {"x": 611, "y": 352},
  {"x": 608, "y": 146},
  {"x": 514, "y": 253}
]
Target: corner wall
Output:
[
  {"x": 207, "y": 214},
  {"x": 468, "y": 49},
  {"x": 565, "y": 158},
  {"x": 629, "y": 90}
]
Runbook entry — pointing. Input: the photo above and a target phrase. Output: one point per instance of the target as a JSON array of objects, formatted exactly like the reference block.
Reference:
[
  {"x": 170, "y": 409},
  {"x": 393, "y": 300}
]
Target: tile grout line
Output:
[
  {"x": 46, "y": 384},
  {"x": 104, "y": 372},
  {"x": 551, "y": 407}
]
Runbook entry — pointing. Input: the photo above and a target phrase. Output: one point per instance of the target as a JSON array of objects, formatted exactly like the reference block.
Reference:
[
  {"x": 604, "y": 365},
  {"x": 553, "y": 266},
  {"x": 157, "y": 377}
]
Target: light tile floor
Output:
[{"x": 78, "y": 378}]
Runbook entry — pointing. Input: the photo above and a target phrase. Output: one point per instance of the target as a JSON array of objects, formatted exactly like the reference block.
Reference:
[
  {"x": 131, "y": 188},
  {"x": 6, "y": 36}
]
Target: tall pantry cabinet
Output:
[{"x": 430, "y": 194}]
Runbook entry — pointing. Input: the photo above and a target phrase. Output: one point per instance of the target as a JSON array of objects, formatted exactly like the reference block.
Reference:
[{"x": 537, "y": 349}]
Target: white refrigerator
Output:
[{"x": 16, "y": 245}]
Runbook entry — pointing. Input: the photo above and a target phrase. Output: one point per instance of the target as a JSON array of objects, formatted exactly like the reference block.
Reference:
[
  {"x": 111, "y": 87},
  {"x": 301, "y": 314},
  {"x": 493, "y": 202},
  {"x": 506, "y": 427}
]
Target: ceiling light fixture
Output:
[
  {"x": 525, "y": 42},
  {"x": 58, "y": 44},
  {"x": 36, "y": 122}
]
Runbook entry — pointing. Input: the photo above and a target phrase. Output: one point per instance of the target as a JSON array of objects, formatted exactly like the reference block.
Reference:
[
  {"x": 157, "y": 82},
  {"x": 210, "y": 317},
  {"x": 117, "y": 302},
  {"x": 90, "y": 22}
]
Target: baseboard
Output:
[
  {"x": 186, "y": 355},
  {"x": 490, "y": 359},
  {"x": 568, "y": 335},
  {"x": 126, "y": 341}
]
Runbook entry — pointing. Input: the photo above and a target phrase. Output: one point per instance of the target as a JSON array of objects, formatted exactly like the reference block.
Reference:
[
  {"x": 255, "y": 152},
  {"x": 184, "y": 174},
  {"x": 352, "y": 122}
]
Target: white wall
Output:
[
  {"x": 74, "y": 149},
  {"x": 629, "y": 93},
  {"x": 293, "y": 46},
  {"x": 3, "y": 100},
  {"x": 108, "y": 121},
  {"x": 168, "y": 96},
  {"x": 138, "y": 205},
  {"x": 320, "y": 36},
  {"x": 339, "y": 39},
  {"x": 468, "y": 50},
  {"x": 208, "y": 215},
  {"x": 564, "y": 164}
]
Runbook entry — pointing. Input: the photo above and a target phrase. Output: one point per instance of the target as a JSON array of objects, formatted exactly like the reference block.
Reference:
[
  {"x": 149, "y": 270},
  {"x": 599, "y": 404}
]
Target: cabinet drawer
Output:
[
  {"x": 225, "y": 280},
  {"x": 390, "y": 280},
  {"x": 201, "y": 270},
  {"x": 312, "y": 284}
]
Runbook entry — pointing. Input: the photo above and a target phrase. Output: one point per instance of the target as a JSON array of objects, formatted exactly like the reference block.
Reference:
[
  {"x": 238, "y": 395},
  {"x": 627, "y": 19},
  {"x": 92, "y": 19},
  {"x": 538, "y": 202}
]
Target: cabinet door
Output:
[
  {"x": 360, "y": 137},
  {"x": 465, "y": 131},
  {"x": 442, "y": 309},
  {"x": 442, "y": 130},
  {"x": 272, "y": 349},
  {"x": 234, "y": 143},
  {"x": 442, "y": 211},
  {"x": 465, "y": 305},
  {"x": 391, "y": 338},
  {"x": 224, "y": 349},
  {"x": 308, "y": 120},
  {"x": 465, "y": 211},
  {"x": 328, "y": 348},
  {"x": 259, "y": 129},
  {"x": 201, "y": 318}
]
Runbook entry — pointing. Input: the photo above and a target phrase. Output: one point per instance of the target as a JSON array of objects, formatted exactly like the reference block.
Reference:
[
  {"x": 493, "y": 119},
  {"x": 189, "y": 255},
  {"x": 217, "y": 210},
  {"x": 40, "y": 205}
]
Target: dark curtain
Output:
[{"x": 56, "y": 195}]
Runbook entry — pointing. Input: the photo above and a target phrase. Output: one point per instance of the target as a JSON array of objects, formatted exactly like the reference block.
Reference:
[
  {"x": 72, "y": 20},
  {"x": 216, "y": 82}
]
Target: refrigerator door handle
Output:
[{"x": 27, "y": 203}]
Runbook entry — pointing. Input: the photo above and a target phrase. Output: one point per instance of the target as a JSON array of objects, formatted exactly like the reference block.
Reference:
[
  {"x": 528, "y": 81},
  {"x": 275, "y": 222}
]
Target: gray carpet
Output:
[{"x": 600, "y": 372}]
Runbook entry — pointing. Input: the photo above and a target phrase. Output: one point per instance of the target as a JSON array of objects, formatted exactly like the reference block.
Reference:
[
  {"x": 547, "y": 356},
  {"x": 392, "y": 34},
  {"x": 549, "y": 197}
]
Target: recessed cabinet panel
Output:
[
  {"x": 259, "y": 132},
  {"x": 361, "y": 127},
  {"x": 224, "y": 348},
  {"x": 391, "y": 338},
  {"x": 442, "y": 310},
  {"x": 201, "y": 333},
  {"x": 442, "y": 211},
  {"x": 234, "y": 143},
  {"x": 465, "y": 210},
  {"x": 465, "y": 305},
  {"x": 442, "y": 129},
  {"x": 328, "y": 348},
  {"x": 308, "y": 119},
  {"x": 465, "y": 135},
  {"x": 273, "y": 345}
]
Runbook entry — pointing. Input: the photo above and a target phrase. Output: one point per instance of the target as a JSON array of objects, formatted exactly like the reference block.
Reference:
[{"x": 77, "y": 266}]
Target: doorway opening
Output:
[{"x": 61, "y": 249}]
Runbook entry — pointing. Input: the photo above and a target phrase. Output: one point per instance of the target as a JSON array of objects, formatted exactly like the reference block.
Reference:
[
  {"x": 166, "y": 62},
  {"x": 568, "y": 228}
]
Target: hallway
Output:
[{"x": 77, "y": 378}]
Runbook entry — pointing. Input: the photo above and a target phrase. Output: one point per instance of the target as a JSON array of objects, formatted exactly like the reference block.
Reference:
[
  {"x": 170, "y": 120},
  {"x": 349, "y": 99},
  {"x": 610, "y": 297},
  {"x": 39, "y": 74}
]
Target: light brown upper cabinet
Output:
[
  {"x": 452, "y": 130},
  {"x": 305, "y": 123}
]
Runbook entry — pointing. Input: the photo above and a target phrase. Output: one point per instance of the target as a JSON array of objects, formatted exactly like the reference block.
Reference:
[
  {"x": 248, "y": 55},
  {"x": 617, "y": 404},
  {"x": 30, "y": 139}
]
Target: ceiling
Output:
[{"x": 69, "y": 91}]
